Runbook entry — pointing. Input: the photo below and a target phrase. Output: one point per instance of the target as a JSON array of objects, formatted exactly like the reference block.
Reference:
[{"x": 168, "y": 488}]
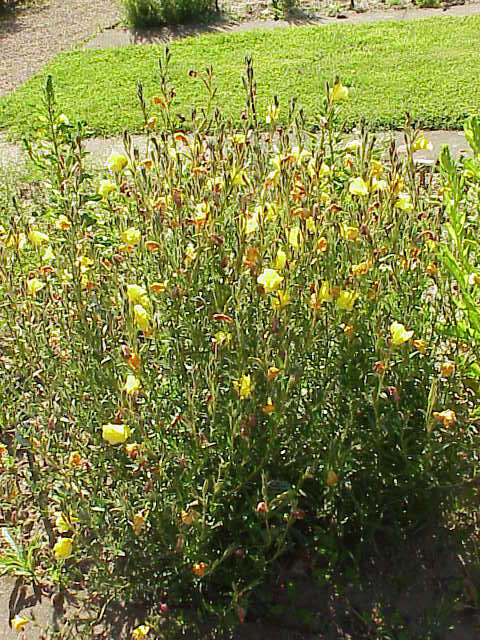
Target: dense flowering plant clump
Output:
[{"x": 232, "y": 345}]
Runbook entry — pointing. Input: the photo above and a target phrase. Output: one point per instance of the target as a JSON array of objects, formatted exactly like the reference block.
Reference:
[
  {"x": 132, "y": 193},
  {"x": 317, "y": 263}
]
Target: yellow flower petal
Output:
[
  {"x": 63, "y": 548},
  {"x": 116, "y": 433}
]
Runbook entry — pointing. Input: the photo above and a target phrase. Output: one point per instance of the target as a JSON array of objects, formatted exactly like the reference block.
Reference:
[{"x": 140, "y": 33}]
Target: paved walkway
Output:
[
  {"x": 30, "y": 38},
  {"x": 100, "y": 148}
]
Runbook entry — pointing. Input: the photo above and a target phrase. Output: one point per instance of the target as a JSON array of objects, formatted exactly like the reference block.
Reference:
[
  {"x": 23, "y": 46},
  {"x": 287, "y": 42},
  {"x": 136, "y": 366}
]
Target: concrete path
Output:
[{"x": 12, "y": 155}]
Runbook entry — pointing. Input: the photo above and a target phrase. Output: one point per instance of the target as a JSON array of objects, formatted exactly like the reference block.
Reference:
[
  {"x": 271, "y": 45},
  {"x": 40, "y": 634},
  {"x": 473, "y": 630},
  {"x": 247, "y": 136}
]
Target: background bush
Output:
[{"x": 151, "y": 13}]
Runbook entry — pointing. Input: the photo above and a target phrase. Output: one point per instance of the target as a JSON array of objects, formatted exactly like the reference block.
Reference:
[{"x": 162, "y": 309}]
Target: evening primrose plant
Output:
[{"x": 221, "y": 350}]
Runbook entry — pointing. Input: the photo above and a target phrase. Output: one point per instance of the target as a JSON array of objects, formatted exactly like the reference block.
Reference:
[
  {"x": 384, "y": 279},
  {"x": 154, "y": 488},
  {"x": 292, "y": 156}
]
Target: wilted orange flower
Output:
[
  {"x": 189, "y": 517},
  {"x": 332, "y": 479},
  {"x": 222, "y": 317},
  {"x": 74, "y": 459},
  {"x": 361, "y": 269},
  {"x": 420, "y": 345},
  {"x": 431, "y": 269},
  {"x": 138, "y": 523},
  {"x": 349, "y": 331},
  {"x": 269, "y": 407},
  {"x": 199, "y": 569},
  {"x": 131, "y": 449},
  {"x": 251, "y": 258},
  {"x": 447, "y": 416},
  {"x": 272, "y": 373},
  {"x": 152, "y": 246},
  {"x": 322, "y": 245},
  {"x": 447, "y": 368},
  {"x": 158, "y": 287}
]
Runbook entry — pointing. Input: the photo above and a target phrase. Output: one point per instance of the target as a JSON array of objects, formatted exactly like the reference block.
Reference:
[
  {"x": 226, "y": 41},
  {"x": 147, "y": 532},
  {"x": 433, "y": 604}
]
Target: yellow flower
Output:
[
  {"x": 332, "y": 479},
  {"x": 64, "y": 523},
  {"x": 349, "y": 233},
  {"x": 137, "y": 295},
  {"x": 202, "y": 211},
  {"x": 116, "y": 433},
  {"x": 280, "y": 260},
  {"x": 116, "y": 162},
  {"x": 47, "y": 254},
  {"x": 346, "y": 300},
  {"x": 190, "y": 254},
  {"x": 310, "y": 225},
  {"x": 131, "y": 236},
  {"x": 294, "y": 235},
  {"x": 18, "y": 622},
  {"x": 324, "y": 293},
  {"x": 62, "y": 223},
  {"x": 404, "y": 202},
  {"x": 250, "y": 224},
  {"x": 105, "y": 188},
  {"x": 338, "y": 92},
  {"x": 422, "y": 143},
  {"x": 280, "y": 301},
  {"x": 199, "y": 569},
  {"x": 399, "y": 334},
  {"x": 243, "y": 386},
  {"x": 448, "y": 417},
  {"x": 138, "y": 523},
  {"x": 358, "y": 187},
  {"x": 63, "y": 548},
  {"x": 272, "y": 113},
  {"x": 377, "y": 185},
  {"x": 142, "y": 319},
  {"x": 132, "y": 385},
  {"x": 37, "y": 238},
  {"x": 141, "y": 632},
  {"x": 270, "y": 280},
  {"x": 269, "y": 407},
  {"x": 34, "y": 285},
  {"x": 223, "y": 338}
]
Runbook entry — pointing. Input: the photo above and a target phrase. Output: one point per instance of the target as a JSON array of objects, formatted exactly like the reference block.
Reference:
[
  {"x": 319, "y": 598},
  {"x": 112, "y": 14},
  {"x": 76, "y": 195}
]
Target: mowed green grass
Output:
[{"x": 430, "y": 68}]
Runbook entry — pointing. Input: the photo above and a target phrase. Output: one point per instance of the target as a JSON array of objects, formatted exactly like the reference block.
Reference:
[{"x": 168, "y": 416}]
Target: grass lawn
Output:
[{"x": 429, "y": 67}]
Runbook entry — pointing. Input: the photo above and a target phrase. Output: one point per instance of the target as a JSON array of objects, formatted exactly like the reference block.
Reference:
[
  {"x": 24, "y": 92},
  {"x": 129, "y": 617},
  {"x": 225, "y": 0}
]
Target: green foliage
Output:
[
  {"x": 152, "y": 13},
  {"x": 425, "y": 4},
  {"x": 439, "y": 90},
  {"x": 224, "y": 350},
  {"x": 284, "y": 7},
  {"x": 460, "y": 254}
]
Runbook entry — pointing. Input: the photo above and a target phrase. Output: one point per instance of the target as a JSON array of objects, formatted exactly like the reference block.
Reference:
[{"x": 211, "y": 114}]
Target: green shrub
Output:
[
  {"x": 152, "y": 13},
  {"x": 221, "y": 351}
]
